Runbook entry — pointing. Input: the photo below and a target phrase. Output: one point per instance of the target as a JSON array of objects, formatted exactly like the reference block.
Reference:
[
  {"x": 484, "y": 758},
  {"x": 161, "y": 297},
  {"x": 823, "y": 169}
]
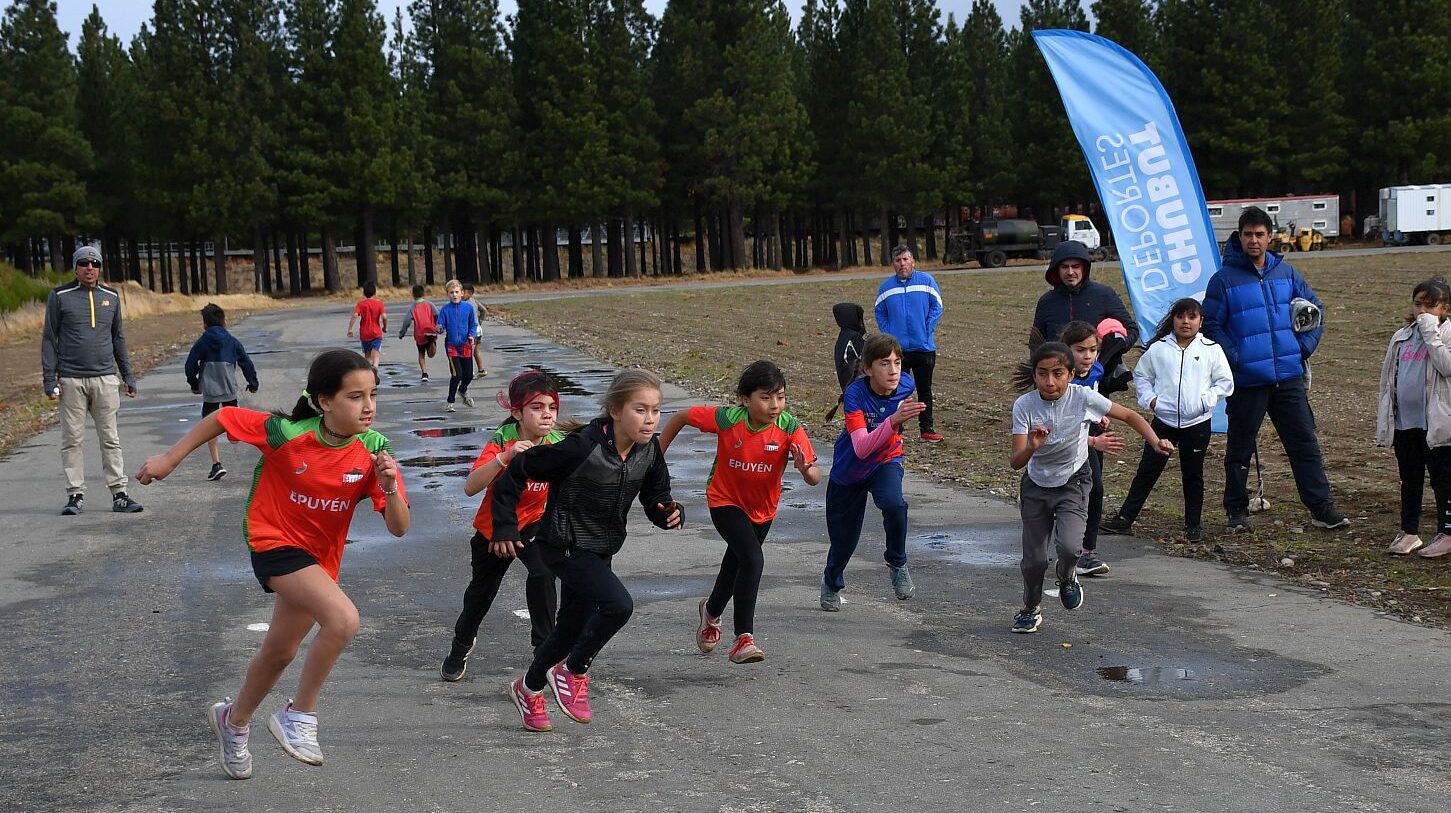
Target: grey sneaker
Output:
[
  {"x": 74, "y": 505},
  {"x": 902, "y": 583},
  {"x": 1237, "y": 523},
  {"x": 297, "y": 732},
  {"x": 122, "y": 504},
  {"x": 231, "y": 742},
  {"x": 830, "y": 599},
  {"x": 449, "y": 408},
  {"x": 468, "y": 399},
  {"x": 1090, "y": 565}
]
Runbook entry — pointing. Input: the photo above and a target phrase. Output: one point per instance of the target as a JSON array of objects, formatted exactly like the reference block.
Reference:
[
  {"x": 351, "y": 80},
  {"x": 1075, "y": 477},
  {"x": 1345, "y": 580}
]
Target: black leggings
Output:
[
  {"x": 740, "y": 568},
  {"x": 593, "y": 607},
  {"x": 1415, "y": 460},
  {"x": 539, "y": 593},
  {"x": 1191, "y": 443},
  {"x": 919, "y": 364},
  {"x": 460, "y": 373}
]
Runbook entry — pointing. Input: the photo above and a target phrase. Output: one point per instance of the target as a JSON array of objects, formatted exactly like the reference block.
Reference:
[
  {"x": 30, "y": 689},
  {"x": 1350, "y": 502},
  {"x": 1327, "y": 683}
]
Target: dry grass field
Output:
[{"x": 703, "y": 338}]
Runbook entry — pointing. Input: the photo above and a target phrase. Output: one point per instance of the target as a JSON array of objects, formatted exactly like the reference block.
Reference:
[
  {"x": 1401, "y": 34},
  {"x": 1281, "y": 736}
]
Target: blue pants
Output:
[
  {"x": 1288, "y": 407},
  {"x": 846, "y": 505}
]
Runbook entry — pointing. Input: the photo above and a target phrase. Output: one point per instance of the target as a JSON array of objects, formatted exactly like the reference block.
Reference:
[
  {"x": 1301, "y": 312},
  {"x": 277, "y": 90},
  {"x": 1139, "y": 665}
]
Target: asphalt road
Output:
[{"x": 1180, "y": 685}]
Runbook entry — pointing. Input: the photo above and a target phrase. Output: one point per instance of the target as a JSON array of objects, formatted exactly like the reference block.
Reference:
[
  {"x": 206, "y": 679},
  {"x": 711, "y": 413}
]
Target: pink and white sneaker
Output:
[
  {"x": 707, "y": 635},
  {"x": 531, "y": 707},
  {"x": 571, "y": 691}
]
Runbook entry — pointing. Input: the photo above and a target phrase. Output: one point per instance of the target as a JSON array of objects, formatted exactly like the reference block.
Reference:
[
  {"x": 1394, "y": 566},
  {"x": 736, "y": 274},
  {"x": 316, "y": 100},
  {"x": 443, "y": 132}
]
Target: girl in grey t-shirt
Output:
[{"x": 1050, "y": 439}]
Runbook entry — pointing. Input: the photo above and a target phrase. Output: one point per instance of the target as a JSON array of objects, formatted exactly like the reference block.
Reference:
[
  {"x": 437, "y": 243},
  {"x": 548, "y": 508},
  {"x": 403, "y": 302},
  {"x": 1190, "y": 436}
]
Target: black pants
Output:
[
  {"x": 1415, "y": 460},
  {"x": 1095, "y": 497},
  {"x": 740, "y": 568},
  {"x": 460, "y": 373},
  {"x": 1288, "y": 406},
  {"x": 1190, "y": 445},
  {"x": 919, "y": 364},
  {"x": 593, "y": 607},
  {"x": 488, "y": 574}
]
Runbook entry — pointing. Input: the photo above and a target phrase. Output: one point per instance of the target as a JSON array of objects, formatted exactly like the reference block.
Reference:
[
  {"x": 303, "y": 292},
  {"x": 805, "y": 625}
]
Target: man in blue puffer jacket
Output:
[
  {"x": 1247, "y": 311},
  {"x": 909, "y": 304}
]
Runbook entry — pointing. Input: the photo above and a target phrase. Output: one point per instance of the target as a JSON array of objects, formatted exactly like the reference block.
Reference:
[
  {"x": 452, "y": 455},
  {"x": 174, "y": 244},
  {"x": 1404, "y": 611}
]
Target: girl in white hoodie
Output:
[
  {"x": 1180, "y": 378},
  {"x": 1414, "y": 415}
]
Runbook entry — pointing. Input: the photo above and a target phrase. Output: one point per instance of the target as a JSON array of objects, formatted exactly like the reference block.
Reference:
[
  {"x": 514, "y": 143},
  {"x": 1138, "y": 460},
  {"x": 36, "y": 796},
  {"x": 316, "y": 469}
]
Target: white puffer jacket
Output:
[
  {"x": 1182, "y": 385},
  {"x": 1437, "y": 336}
]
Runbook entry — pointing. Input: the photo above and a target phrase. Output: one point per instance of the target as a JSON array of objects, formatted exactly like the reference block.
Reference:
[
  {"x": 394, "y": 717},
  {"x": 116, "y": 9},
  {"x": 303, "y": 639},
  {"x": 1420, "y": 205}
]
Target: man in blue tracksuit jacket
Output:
[
  {"x": 1247, "y": 311},
  {"x": 909, "y": 304}
]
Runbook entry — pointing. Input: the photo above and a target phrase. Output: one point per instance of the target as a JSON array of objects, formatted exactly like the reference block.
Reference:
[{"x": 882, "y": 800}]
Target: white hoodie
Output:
[{"x": 1183, "y": 384}]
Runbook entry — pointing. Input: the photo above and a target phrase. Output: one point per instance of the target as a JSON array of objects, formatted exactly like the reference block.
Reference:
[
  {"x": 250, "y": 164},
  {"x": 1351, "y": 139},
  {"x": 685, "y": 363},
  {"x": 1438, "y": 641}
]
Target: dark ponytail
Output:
[
  {"x": 1023, "y": 372},
  {"x": 325, "y": 377}
]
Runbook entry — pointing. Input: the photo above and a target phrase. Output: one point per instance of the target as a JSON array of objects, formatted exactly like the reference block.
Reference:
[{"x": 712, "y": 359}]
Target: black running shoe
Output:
[
  {"x": 122, "y": 504},
  {"x": 1027, "y": 620},
  {"x": 1329, "y": 519},
  {"x": 1071, "y": 594},
  {"x": 1116, "y": 525},
  {"x": 73, "y": 505},
  {"x": 1193, "y": 533},
  {"x": 457, "y": 661},
  {"x": 1237, "y": 523},
  {"x": 218, "y": 472}
]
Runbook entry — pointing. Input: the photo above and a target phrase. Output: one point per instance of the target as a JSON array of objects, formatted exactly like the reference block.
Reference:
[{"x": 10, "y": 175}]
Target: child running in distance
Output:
[
  {"x": 372, "y": 321},
  {"x": 318, "y": 464},
  {"x": 1414, "y": 415},
  {"x": 867, "y": 459},
  {"x": 460, "y": 326},
  {"x": 211, "y": 371},
  {"x": 479, "y": 313},
  {"x": 1082, "y": 338},
  {"x": 533, "y": 403},
  {"x": 754, "y": 441},
  {"x": 1050, "y": 439},
  {"x": 593, "y": 475},
  {"x": 423, "y": 319},
  {"x": 1181, "y": 378}
]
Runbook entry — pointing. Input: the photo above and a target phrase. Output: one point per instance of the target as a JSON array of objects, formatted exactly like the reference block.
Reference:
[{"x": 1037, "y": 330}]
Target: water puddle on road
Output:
[
  {"x": 429, "y": 461},
  {"x": 1145, "y": 675},
  {"x": 446, "y": 431},
  {"x": 969, "y": 548},
  {"x": 583, "y": 383}
]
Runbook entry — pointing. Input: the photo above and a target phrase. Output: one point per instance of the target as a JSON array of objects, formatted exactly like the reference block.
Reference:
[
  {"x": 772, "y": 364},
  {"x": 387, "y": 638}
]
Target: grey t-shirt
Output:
[
  {"x": 1066, "y": 448},
  {"x": 1411, "y": 383}
]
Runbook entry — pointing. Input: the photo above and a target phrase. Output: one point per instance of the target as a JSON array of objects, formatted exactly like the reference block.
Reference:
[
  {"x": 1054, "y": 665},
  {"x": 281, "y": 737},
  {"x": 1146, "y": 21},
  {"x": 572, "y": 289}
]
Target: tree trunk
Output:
[
  {"x": 712, "y": 238},
  {"x": 496, "y": 239},
  {"x": 576, "y": 253},
  {"x": 393, "y": 257},
  {"x": 277, "y": 241},
  {"x": 627, "y": 241},
  {"x": 931, "y": 226},
  {"x": 677, "y": 262},
  {"x": 883, "y": 248},
  {"x": 644, "y": 228},
  {"x": 304, "y": 262},
  {"x": 912, "y": 236},
  {"x": 261, "y": 283},
  {"x": 150, "y": 263},
  {"x": 445, "y": 247},
  {"x": 550, "y": 246},
  {"x": 57, "y": 263},
  {"x": 596, "y": 249},
  {"x": 294, "y": 265},
  {"x": 655, "y": 246},
  {"x": 412, "y": 266},
  {"x": 331, "y": 278},
  {"x": 613, "y": 261},
  {"x": 517, "y": 236},
  {"x": 700, "y": 239},
  {"x": 166, "y": 268},
  {"x": 429, "y": 232}
]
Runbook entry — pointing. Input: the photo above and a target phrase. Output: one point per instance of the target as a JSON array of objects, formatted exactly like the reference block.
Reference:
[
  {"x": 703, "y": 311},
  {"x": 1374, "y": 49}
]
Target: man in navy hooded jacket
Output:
[
  {"x": 1247, "y": 311},
  {"x": 909, "y": 305}
]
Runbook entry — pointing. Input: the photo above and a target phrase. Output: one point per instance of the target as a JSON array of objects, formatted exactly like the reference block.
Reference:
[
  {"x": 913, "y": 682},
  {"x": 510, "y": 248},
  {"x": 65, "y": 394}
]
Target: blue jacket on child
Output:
[
  {"x": 1247, "y": 311},
  {"x": 908, "y": 310}
]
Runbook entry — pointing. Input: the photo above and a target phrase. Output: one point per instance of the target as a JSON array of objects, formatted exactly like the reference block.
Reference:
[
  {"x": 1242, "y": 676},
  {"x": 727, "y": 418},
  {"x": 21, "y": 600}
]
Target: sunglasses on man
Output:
[{"x": 88, "y": 264}]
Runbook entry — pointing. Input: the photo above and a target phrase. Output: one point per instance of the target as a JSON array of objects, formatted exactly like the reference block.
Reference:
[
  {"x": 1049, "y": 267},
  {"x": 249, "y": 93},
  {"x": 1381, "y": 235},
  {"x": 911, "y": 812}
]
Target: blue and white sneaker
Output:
[
  {"x": 297, "y": 732},
  {"x": 1070, "y": 592}
]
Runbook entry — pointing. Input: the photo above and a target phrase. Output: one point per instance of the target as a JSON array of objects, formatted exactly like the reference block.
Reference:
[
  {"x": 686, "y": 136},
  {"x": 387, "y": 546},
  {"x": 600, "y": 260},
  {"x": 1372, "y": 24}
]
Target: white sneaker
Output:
[
  {"x": 231, "y": 742},
  {"x": 468, "y": 400},
  {"x": 449, "y": 407},
  {"x": 297, "y": 732}
]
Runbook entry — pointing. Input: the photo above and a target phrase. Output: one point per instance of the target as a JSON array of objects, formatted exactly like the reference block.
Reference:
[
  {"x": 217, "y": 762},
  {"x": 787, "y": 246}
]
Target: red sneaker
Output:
[
  {"x": 745, "y": 650},
  {"x": 531, "y": 707},
  {"x": 571, "y": 691},
  {"x": 932, "y": 437},
  {"x": 707, "y": 635}
]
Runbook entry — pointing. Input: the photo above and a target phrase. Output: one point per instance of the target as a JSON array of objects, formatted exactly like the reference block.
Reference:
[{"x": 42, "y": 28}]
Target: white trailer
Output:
[
  {"x": 1415, "y": 214},
  {"x": 1318, "y": 212}
]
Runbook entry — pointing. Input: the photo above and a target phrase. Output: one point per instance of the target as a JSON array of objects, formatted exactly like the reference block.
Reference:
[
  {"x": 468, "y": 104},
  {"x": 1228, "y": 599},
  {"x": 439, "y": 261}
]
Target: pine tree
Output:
[
  {"x": 43, "y": 153},
  {"x": 980, "y": 56},
  {"x": 1052, "y": 172},
  {"x": 303, "y": 167},
  {"x": 106, "y": 105},
  {"x": 1129, "y": 23},
  {"x": 1315, "y": 125}
]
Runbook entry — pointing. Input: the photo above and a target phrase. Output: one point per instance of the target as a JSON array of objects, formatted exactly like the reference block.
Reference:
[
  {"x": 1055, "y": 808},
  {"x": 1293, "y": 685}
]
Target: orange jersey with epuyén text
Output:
[
  {"x": 531, "y": 503},
  {"x": 304, "y": 490},
  {"x": 749, "y": 460}
]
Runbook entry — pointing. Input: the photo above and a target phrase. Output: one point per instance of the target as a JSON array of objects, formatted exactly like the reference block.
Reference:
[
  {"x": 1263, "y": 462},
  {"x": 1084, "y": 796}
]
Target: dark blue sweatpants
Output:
[{"x": 846, "y": 506}]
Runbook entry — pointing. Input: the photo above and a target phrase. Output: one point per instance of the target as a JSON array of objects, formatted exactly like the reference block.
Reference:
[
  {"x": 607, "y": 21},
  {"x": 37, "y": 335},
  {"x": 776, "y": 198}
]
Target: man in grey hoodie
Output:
[{"x": 84, "y": 364}]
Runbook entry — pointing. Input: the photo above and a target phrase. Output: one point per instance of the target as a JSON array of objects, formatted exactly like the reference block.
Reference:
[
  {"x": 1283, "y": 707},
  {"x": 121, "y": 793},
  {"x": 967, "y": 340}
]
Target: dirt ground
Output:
[{"x": 704, "y": 338}]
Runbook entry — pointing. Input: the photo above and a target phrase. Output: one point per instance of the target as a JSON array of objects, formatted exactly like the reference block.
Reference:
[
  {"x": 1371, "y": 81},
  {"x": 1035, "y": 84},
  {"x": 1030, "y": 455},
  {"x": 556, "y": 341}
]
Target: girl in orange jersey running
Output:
[
  {"x": 533, "y": 404},
  {"x": 753, "y": 442},
  {"x": 318, "y": 464}
]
